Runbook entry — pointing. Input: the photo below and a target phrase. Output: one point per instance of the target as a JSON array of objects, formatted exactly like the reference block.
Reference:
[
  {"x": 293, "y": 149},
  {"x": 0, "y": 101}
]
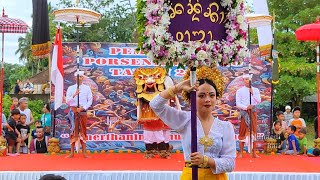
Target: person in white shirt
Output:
[
  {"x": 247, "y": 109},
  {"x": 23, "y": 108},
  {"x": 80, "y": 112},
  {"x": 288, "y": 115},
  {"x": 28, "y": 87}
]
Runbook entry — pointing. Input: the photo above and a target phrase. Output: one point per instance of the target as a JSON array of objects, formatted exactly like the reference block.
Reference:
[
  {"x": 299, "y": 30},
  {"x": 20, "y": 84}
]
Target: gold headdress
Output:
[{"x": 210, "y": 73}]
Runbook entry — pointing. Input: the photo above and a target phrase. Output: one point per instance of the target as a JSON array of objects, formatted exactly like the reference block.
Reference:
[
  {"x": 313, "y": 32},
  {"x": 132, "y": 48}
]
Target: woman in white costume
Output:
[{"x": 216, "y": 139}]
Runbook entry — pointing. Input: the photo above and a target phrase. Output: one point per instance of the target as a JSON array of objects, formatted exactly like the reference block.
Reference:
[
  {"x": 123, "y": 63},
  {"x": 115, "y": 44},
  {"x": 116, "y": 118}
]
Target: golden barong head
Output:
[
  {"x": 209, "y": 73},
  {"x": 148, "y": 77}
]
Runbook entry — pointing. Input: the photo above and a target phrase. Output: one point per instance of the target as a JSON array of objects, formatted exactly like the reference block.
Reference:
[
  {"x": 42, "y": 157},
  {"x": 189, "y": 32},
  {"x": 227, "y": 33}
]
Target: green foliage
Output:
[
  {"x": 293, "y": 89},
  {"x": 298, "y": 69},
  {"x": 12, "y": 73},
  {"x": 116, "y": 25},
  {"x": 7, "y": 102},
  {"x": 141, "y": 21},
  {"x": 297, "y": 59},
  {"x": 34, "y": 105},
  {"x": 36, "y": 108}
]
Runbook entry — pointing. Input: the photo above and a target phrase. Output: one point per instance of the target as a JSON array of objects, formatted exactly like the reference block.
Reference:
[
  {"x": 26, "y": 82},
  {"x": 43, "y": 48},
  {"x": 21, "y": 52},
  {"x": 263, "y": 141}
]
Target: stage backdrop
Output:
[{"x": 108, "y": 71}]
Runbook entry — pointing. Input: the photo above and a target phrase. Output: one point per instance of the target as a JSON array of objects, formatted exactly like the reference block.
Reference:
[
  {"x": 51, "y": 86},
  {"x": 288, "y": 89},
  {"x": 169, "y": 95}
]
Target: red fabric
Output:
[
  {"x": 10, "y": 25},
  {"x": 57, "y": 70},
  {"x": 309, "y": 32},
  {"x": 136, "y": 162}
]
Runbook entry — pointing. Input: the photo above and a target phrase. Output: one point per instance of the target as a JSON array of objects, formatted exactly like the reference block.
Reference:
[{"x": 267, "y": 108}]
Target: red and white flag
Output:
[{"x": 57, "y": 70}]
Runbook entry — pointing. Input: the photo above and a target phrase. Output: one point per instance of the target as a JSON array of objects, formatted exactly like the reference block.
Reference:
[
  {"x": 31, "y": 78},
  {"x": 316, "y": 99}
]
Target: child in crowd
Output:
[
  {"x": 280, "y": 117},
  {"x": 297, "y": 121},
  {"x": 37, "y": 124},
  {"x": 293, "y": 144},
  {"x": 278, "y": 134},
  {"x": 24, "y": 130},
  {"x": 14, "y": 103},
  {"x": 13, "y": 136},
  {"x": 303, "y": 141},
  {"x": 313, "y": 152}
]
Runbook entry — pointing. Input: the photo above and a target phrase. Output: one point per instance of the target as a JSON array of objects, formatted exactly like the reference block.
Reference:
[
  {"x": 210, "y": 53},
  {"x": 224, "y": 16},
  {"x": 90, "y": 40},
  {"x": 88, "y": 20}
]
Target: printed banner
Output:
[{"x": 108, "y": 71}]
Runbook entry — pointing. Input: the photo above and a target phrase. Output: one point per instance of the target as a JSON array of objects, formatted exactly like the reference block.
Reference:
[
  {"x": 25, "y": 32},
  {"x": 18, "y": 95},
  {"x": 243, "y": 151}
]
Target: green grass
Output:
[{"x": 310, "y": 134}]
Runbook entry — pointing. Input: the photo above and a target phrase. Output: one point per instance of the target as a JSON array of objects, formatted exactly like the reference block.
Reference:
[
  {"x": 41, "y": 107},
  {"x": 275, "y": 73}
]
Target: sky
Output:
[{"x": 20, "y": 9}]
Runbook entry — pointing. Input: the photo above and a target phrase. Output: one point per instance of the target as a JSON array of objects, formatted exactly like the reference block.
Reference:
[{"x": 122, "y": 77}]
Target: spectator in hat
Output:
[
  {"x": 288, "y": 114},
  {"x": 297, "y": 121}
]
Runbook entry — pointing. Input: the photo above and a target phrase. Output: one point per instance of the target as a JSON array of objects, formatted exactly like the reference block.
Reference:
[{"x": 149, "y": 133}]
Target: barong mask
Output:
[
  {"x": 209, "y": 73},
  {"x": 149, "y": 81}
]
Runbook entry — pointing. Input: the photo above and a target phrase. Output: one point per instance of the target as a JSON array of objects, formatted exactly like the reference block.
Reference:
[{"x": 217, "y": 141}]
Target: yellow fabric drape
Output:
[{"x": 203, "y": 174}]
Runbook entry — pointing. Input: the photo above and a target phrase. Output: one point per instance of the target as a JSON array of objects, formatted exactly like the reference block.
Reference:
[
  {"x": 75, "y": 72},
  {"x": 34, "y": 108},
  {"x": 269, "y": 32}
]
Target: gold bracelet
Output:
[
  {"x": 170, "y": 91},
  {"x": 205, "y": 161}
]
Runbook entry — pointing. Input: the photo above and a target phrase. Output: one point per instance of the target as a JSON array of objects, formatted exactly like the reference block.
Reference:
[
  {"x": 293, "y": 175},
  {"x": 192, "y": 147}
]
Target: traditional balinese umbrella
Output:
[
  {"x": 311, "y": 32},
  {"x": 81, "y": 17},
  {"x": 8, "y": 25}
]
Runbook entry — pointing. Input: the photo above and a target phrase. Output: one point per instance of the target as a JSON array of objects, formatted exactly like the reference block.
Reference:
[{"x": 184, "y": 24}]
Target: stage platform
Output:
[{"x": 125, "y": 166}]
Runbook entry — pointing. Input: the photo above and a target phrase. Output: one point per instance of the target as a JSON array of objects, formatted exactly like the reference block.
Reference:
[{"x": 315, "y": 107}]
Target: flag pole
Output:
[{"x": 53, "y": 123}]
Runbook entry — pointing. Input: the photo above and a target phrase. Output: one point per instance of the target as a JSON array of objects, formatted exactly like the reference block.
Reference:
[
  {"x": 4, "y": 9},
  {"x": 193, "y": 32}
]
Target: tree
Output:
[
  {"x": 116, "y": 25},
  {"x": 297, "y": 59},
  {"x": 12, "y": 73}
]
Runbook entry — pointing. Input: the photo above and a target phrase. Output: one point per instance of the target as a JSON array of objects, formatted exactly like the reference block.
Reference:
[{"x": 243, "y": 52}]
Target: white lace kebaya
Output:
[{"x": 223, "y": 149}]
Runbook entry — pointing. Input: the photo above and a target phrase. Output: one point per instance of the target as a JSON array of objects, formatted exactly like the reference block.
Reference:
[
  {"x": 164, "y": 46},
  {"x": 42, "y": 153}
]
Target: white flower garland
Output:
[{"x": 162, "y": 49}]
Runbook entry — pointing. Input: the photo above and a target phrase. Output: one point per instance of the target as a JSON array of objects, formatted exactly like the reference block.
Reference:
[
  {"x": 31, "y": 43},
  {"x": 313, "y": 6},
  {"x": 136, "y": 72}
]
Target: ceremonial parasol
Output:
[
  {"x": 311, "y": 32},
  {"x": 81, "y": 17},
  {"x": 8, "y": 25}
]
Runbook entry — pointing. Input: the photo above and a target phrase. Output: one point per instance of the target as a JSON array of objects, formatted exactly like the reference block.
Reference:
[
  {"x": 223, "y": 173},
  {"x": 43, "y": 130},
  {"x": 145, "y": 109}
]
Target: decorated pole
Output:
[
  {"x": 250, "y": 100},
  {"x": 193, "y": 100},
  {"x": 7, "y": 25},
  {"x": 81, "y": 17}
]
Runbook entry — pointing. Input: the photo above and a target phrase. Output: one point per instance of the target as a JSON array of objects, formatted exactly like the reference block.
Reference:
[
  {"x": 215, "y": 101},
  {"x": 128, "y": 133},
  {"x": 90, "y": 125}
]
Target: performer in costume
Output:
[
  {"x": 150, "y": 82},
  {"x": 216, "y": 143},
  {"x": 79, "y": 130},
  {"x": 247, "y": 109}
]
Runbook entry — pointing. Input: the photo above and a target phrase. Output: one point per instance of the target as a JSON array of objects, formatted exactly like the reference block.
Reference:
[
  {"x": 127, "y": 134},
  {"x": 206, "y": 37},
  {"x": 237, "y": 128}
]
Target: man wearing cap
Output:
[
  {"x": 288, "y": 114},
  {"x": 247, "y": 109},
  {"x": 80, "y": 112},
  {"x": 297, "y": 121}
]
